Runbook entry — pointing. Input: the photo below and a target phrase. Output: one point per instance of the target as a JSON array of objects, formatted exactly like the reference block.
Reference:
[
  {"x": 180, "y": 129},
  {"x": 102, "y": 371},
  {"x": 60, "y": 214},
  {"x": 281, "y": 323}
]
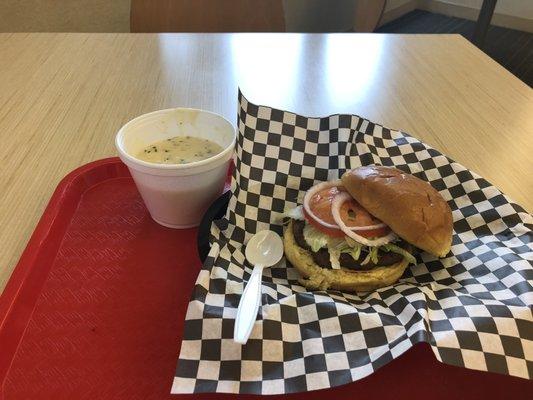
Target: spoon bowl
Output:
[{"x": 264, "y": 249}]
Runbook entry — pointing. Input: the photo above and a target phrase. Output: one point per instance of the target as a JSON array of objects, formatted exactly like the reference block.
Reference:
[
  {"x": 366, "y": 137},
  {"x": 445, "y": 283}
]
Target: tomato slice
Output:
[
  {"x": 324, "y": 229},
  {"x": 352, "y": 213},
  {"x": 374, "y": 233},
  {"x": 320, "y": 204}
]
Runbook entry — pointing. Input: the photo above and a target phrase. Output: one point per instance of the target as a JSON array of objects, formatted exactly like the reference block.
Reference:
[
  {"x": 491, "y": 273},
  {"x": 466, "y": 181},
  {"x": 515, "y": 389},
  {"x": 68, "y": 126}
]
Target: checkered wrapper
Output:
[{"x": 473, "y": 307}]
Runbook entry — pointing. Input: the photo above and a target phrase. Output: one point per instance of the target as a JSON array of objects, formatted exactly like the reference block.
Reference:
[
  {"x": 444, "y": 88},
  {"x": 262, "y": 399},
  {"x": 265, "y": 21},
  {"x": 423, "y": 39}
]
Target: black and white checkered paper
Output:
[{"x": 473, "y": 307}]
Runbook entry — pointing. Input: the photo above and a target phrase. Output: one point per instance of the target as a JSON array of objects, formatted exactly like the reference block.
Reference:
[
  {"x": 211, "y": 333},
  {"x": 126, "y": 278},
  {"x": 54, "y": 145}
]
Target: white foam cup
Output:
[{"x": 177, "y": 195}]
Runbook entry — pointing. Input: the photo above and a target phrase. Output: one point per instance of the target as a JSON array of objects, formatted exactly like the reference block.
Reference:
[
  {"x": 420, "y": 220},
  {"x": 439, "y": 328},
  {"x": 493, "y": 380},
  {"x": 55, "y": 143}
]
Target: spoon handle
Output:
[{"x": 248, "y": 307}]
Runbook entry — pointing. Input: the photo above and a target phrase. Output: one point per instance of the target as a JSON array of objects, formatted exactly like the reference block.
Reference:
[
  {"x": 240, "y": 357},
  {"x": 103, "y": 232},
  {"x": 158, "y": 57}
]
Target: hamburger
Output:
[{"x": 359, "y": 233}]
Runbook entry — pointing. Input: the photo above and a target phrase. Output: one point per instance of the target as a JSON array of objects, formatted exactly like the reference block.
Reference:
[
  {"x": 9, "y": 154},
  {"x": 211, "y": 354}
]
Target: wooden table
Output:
[{"x": 64, "y": 96}]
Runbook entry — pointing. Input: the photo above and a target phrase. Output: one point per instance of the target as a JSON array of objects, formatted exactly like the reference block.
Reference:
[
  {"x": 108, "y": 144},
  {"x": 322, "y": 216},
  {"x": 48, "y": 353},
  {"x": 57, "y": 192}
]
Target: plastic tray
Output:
[{"x": 95, "y": 308}]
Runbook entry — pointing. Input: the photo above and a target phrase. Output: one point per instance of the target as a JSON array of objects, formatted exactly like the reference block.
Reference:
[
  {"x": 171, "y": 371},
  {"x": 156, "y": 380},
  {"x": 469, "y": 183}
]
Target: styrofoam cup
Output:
[{"x": 177, "y": 195}]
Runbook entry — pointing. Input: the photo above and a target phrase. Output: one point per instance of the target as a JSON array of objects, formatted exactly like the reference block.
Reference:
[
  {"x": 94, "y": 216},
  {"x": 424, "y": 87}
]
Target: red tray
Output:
[{"x": 95, "y": 308}]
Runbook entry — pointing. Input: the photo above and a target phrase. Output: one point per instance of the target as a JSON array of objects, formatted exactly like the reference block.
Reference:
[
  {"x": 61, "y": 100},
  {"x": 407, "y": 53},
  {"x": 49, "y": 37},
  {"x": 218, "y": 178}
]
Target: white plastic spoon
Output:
[{"x": 264, "y": 249}]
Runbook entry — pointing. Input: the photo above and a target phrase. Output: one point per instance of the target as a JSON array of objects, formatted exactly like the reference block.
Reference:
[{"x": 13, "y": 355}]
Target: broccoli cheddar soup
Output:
[{"x": 179, "y": 150}]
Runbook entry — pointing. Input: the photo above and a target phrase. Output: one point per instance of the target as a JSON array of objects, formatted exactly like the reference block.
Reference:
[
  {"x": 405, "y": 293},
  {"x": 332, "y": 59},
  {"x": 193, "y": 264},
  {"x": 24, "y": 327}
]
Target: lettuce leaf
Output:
[
  {"x": 314, "y": 238},
  {"x": 336, "y": 246},
  {"x": 356, "y": 252},
  {"x": 371, "y": 256},
  {"x": 374, "y": 254},
  {"x": 397, "y": 249},
  {"x": 353, "y": 249},
  {"x": 334, "y": 257}
]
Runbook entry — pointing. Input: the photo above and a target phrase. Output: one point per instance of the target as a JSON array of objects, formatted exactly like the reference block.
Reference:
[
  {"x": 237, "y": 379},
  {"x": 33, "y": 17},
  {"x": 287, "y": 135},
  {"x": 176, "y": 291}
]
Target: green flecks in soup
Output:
[{"x": 179, "y": 150}]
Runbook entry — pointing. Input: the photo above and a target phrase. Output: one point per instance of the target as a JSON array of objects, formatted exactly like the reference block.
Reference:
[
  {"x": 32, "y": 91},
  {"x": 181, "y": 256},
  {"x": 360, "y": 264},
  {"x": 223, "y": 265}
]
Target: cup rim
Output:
[{"x": 174, "y": 167}]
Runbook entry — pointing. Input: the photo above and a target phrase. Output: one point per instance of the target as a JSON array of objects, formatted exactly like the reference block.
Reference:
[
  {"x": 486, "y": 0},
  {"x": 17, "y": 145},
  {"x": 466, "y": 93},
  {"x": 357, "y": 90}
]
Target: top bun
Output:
[{"x": 410, "y": 206}]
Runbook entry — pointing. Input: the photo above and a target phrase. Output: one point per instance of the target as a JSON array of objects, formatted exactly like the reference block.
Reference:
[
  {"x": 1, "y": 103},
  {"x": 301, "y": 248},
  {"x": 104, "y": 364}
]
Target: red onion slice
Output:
[
  {"x": 311, "y": 192},
  {"x": 338, "y": 201},
  {"x": 359, "y": 228}
]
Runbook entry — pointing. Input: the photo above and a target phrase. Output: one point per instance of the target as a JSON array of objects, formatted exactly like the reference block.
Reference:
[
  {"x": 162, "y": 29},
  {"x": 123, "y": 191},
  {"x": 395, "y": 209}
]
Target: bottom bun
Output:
[{"x": 318, "y": 278}]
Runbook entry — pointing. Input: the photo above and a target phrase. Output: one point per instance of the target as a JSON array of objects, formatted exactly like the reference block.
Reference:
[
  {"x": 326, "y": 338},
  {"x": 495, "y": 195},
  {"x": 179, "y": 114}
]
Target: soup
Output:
[{"x": 179, "y": 150}]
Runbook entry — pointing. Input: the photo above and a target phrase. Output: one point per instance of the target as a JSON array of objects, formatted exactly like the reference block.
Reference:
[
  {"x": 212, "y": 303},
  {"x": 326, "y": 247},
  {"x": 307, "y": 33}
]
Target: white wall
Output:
[{"x": 514, "y": 8}]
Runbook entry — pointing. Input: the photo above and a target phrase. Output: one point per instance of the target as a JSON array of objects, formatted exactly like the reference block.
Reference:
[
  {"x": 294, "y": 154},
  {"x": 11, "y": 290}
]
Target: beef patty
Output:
[{"x": 321, "y": 257}]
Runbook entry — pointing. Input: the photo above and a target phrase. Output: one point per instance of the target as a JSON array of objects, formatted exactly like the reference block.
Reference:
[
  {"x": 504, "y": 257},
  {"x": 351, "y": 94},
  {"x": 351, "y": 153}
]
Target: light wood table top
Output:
[{"x": 64, "y": 96}]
